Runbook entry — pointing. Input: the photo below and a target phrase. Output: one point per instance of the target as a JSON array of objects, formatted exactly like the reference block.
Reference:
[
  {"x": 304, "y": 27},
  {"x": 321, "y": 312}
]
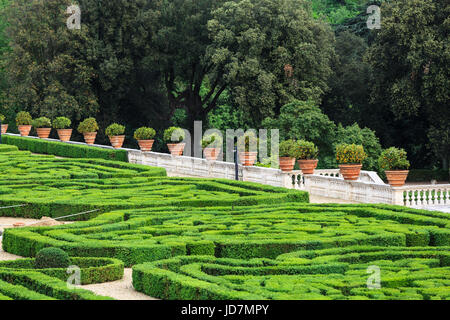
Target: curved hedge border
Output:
[
  {"x": 67, "y": 150},
  {"x": 339, "y": 273},
  {"x": 93, "y": 270},
  {"x": 17, "y": 285}
]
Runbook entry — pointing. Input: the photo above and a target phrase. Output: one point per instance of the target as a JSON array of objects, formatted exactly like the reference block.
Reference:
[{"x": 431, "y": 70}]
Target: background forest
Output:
[{"x": 310, "y": 68}]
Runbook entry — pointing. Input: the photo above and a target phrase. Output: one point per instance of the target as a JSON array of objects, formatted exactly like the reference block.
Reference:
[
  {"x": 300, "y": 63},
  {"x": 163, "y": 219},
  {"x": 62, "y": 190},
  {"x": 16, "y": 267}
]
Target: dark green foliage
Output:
[
  {"x": 62, "y": 123},
  {"x": 24, "y": 118},
  {"x": 42, "y": 122},
  {"x": 51, "y": 258},
  {"x": 422, "y": 175}
]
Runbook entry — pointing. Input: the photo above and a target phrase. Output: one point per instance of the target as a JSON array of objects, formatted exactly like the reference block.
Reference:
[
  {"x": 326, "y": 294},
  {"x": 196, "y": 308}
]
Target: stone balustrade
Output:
[{"x": 370, "y": 188}]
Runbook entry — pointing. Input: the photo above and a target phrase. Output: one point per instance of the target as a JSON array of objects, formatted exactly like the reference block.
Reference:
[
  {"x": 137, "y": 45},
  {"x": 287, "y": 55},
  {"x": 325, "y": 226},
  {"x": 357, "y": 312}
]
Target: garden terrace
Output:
[{"x": 221, "y": 239}]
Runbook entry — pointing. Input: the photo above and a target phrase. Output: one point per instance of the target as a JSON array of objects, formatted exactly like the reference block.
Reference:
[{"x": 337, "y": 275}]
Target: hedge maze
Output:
[{"x": 220, "y": 239}]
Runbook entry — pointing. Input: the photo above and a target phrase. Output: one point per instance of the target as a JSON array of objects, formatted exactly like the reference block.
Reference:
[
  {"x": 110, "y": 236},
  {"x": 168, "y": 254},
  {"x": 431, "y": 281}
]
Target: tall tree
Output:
[
  {"x": 411, "y": 61},
  {"x": 263, "y": 52}
]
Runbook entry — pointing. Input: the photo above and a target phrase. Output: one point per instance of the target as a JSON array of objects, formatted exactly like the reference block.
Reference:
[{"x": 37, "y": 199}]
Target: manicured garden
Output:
[{"x": 212, "y": 239}]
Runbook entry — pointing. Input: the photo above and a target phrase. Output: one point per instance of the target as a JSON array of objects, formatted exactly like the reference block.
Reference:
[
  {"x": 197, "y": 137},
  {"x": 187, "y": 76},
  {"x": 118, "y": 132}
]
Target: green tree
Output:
[
  {"x": 242, "y": 47},
  {"x": 46, "y": 67},
  {"x": 365, "y": 137},
  {"x": 304, "y": 120},
  {"x": 411, "y": 61}
]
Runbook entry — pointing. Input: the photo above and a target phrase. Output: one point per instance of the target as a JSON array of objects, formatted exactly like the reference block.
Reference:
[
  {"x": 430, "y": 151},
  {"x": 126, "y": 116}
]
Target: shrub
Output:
[
  {"x": 42, "y": 122},
  {"x": 169, "y": 135},
  {"x": 350, "y": 154},
  {"x": 307, "y": 150},
  {"x": 214, "y": 140},
  {"x": 88, "y": 125},
  {"x": 61, "y": 123},
  {"x": 23, "y": 118},
  {"x": 115, "y": 130},
  {"x": 51, "y": 258},
  {"x": 248, "y": 140},
  {"x": 2, "y": 117},
  {"x": 144, "y": 133},
  {"x": 288, "y": 148},
  {"x": 394, "y": 159}
]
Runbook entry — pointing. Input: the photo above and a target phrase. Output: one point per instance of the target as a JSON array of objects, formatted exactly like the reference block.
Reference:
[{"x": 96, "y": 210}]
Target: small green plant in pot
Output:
[
  {"x": 395, "y": 163},
  {"x": 247, "y": 147},
  {"x": 288, "y": 151},
  {"x": 174, "y": 136},
  {"x": 115, "y": 132},
  {"x": 350, "y": 158},
  {"x": 212, "y": 146},
  {"x": 88, "y": 128},
  {"x": 62, "y": 126},
  {"x": 24, "y": 122},
  {"x": 307, "y": 154},
  {"x": 43, "y": 127},
  {"x": 144, "y": 137},
  {"x": 4, "y": 125}
]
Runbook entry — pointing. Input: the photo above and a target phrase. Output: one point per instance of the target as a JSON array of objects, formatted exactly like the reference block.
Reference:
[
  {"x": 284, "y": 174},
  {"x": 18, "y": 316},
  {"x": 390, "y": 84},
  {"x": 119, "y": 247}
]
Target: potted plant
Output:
[
  {"x": 62, "y": 126},
  {"x": 396, "y": 165},
  {"x": 88, "y": 128},
  {"x": 350, "y": 158},
  {"x": 4, "y": 126},
  {"x": 245, "y": 144},
  {"x": 307, "y": 154},
  {"x": 24, "y": 122},
  {"x": 115, "y": 132},
  {"x": 144, "y": 137},
  {"x": 173, "y": 137},
  {"x": 212, "y": 146},
  {"x": 288, "y": 152},
  {"x": 43, "y": 127}
]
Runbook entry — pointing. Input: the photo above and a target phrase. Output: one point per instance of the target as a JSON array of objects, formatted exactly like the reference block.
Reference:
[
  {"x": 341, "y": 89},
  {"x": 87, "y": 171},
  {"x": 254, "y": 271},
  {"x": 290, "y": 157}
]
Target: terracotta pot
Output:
[
  {"x": 43, "y": 133},
  {"x": 64, "y": 134},
  {"x": 117, "y": 141},
  {"x": 308, "y": 166},
  {"x": 350, "y": 171},
  {"x": 89, "y": 137},
  {"x": 146, "y": 145},
  {"x": 287, "y": 164},
  {"x": 176, "y": 149},
  {"x": 211, "y": 153},
  {"x": 248, "y": 159},
  {"x": 4, "y": 128},
  {"x": 397, "y": 178},
  {"x": 24, "y": 130}
]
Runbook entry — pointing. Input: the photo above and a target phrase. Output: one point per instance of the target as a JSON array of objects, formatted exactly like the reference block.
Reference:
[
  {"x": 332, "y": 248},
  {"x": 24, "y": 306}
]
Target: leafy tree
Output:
[
  {"x": 241, "y": 47},
  {"x": 304, "y": 120},
  {"x": 411, "y": 63},
  {"x": 46, "y": 66},
  {"x": 367, "y": 138}
]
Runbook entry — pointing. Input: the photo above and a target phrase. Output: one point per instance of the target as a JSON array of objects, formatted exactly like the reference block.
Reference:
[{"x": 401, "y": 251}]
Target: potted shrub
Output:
[
  {"x": 62, "y": 126},
  {"x": 43, "y": 127},
  {"x": 396, "y": 165},
  {"x": 24, "y": 122},
  {"x": 173, "y": 137},
  {"x": 88, "y": 128},
  {"x": 350, "y": 158},
  {"x": 4, "y": 126},
  {"x": 144, "y": 137},
  {"x": 245, "y": 142},
  {"x": 115, "y": 132},
  {"x": 212, "y": 146},
  {"x": 307, "y": 154},
  {"x": 288, "y": 152}
]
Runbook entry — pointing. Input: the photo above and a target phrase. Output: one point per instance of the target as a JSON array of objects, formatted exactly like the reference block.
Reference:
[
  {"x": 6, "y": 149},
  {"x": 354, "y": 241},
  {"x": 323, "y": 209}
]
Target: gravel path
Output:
[{"x": 120, "y": 290}]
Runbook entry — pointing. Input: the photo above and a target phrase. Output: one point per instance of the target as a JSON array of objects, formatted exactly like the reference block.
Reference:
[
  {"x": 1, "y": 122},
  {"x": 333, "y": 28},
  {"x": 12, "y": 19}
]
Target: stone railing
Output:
[
  {"x": 325, "y": 183},
  {"x": 422, "y": 195}
]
